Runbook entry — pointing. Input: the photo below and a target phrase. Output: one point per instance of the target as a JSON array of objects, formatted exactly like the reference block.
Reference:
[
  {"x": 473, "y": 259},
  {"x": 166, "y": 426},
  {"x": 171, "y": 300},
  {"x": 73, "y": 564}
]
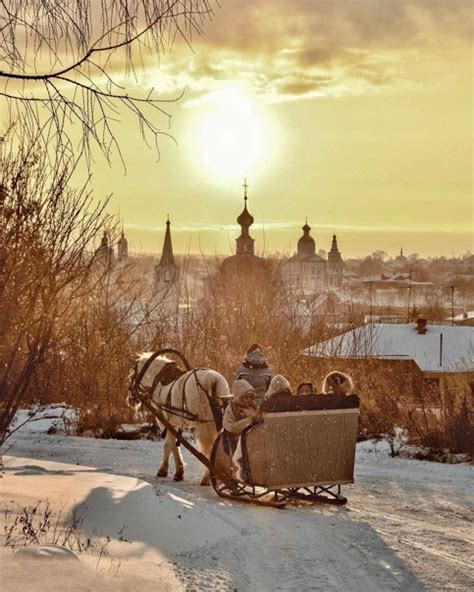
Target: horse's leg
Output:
[
  {"x": 206, "y": 434},
  {"x": 163, "y": 471},
  {"x": 178, "y": 460}
]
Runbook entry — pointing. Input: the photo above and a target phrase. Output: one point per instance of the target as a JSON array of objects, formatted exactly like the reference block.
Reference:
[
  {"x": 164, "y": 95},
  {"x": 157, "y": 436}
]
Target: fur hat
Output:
[
  {"x": 241, "y": 388},
  {"x": 279, "y": 384},
  {"x": 338, "y": 383},
  {"x": 253, "y": 347},
  {"x": 255, "y": 357}
]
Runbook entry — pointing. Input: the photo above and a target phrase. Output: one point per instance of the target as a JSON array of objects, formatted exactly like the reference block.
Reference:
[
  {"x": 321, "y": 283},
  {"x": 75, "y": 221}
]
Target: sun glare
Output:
[{"x": 231, "y": 135}]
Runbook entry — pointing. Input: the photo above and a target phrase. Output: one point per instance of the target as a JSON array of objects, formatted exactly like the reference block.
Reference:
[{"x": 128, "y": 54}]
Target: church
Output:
[
  {"x": 307, "y": 273},
  {"x": 304, "y": 273}
]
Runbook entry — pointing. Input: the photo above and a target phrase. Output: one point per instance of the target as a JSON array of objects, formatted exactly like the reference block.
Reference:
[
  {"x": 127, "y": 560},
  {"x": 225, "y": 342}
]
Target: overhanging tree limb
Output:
[{"x": 38, "y": 36}]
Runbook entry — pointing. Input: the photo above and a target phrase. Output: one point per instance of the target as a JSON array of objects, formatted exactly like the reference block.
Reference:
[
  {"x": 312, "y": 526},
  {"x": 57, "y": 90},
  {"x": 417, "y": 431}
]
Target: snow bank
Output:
[
  {"x": 44, "y": 419},
  {"x": 144, "y": 523}
]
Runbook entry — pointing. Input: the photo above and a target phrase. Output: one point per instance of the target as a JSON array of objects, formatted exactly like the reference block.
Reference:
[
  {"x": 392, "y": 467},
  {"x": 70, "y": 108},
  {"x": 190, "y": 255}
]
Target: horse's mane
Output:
[
  {"x": 168, "y": 372},
  {"x": 143, "y": 357}
]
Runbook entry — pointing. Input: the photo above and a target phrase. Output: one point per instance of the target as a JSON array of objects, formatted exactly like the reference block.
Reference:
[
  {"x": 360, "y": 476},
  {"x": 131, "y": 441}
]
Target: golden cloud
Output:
[{"x": 288, "y": 51}]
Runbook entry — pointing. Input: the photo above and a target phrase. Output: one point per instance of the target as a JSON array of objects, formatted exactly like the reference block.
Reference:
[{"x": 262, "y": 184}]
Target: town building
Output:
[
  {"x": 398, "y": 290},
  {"x": 439, "y": 354},
  {"x": 401, "y": 259},
  {"x": 307, "y": 273}
]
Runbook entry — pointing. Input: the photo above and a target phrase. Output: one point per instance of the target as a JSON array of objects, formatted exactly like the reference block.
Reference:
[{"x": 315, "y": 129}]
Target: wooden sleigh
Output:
[{"x": 300, "y": 455}]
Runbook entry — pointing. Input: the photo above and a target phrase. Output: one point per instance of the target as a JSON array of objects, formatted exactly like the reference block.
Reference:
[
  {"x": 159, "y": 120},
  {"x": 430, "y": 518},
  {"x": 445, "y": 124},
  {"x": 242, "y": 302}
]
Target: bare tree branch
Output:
[{"x": 58, "y": 60}]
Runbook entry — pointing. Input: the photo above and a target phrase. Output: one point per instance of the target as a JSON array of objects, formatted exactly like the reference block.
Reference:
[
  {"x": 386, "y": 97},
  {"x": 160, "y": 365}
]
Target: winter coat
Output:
[{"x": 256, "y": 372}]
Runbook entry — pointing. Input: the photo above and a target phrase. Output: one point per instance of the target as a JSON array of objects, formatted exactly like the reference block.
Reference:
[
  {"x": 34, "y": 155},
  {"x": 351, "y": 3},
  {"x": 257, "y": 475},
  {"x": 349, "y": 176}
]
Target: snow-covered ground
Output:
[{"x": 408, "y": 525}]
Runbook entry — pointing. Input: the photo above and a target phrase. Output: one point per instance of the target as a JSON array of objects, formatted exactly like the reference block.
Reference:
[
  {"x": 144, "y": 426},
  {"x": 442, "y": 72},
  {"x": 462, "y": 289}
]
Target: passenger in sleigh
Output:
[
  {"x": 305, "y": 388},
  {"x": 337, "y": 394},
  {"x": 337, "y": 383},
  {"x": 255, "y": 371},
  {"x": 279, "y": 387},
  {"x": 240, "y": 413}
]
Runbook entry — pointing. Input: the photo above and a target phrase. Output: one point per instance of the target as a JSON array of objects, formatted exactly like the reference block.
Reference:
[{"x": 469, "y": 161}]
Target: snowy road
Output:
[{"x": 408, "y": 524}]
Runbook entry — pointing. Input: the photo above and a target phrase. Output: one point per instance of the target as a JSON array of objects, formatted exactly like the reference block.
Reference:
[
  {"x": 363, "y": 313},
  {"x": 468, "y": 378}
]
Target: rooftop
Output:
[{"x": 403, "y": 342}]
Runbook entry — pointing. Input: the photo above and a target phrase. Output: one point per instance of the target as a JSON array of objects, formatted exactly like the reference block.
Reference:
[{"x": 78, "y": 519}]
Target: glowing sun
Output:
[{"x": 231, "y": 135}]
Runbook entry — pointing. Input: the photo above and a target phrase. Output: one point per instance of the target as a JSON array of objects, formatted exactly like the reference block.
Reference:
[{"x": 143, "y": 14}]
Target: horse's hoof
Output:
[
  {"x": 162, "y": 473},
  {"x": 178, "y": 477},
  {"x": 205, "y": 482}
]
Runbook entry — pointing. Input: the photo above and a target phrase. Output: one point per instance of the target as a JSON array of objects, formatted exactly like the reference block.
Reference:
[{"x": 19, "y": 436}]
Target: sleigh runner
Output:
[{"x": 303, "y": 453}]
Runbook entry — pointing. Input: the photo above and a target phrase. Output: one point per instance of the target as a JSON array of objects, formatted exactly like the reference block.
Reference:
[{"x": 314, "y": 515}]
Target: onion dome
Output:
[
  {"x": 306, "y": 244},
  {"x": 245, "y": 218}
]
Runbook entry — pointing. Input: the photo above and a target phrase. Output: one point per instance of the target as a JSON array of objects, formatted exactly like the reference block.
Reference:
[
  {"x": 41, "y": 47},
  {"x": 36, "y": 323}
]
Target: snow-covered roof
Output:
[
  {"x": 403, "y": 342},
  {"x": 464, "y": 315},
  {"x": 403, "y": 279}
]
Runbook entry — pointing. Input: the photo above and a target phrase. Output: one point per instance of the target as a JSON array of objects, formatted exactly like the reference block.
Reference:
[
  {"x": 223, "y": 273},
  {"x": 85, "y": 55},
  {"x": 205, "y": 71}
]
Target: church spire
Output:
[
  {"x": 334, "y": 255},
  {"x": 122, "y": 246},
  {"x": 401, "y": 257},
  {"x": 104, "y": 252},
  {"x": 245, "y": 221},
  {"x": 167, "y": 257}
]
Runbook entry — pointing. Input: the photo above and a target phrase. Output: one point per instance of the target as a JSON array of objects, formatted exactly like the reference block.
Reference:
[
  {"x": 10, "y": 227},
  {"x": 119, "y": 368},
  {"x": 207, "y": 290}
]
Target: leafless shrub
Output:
[
  {"x": 443, "y": 421},
  {"x": 46, "y": 231},
  {"x": 40, "y": 524},
  {"x": 237, "y": 309},
  {"x": 89, "y": 364}
]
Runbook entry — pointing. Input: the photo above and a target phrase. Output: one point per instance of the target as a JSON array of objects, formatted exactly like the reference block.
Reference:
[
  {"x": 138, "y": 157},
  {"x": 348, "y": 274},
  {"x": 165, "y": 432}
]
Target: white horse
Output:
[{"x": 187, "y": 401}]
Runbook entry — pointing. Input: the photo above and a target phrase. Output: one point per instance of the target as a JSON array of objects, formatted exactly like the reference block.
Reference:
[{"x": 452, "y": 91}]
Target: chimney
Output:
[{"x": 421, "y": 326}]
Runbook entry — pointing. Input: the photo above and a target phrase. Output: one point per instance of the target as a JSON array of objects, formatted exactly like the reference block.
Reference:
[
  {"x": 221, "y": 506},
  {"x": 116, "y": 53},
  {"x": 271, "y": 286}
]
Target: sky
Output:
[{"x": 354, "y": 114}]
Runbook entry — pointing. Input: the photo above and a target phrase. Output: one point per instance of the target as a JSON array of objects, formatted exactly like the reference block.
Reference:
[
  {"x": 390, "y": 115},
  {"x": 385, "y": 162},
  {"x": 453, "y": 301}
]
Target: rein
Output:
[{"x": 168, "y": 375}]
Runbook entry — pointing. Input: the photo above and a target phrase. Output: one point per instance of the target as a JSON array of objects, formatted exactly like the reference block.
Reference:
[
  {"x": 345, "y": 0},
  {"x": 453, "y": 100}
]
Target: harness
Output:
[
  {"x": 216, "y": 409},
  {"x": 167, "y": 377}
]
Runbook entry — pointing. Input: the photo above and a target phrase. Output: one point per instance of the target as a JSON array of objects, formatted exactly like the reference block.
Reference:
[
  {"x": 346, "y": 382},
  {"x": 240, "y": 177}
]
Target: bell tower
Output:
[
  {"x": 166, "y": 285},
  {"x": 335, "y": 265}
]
